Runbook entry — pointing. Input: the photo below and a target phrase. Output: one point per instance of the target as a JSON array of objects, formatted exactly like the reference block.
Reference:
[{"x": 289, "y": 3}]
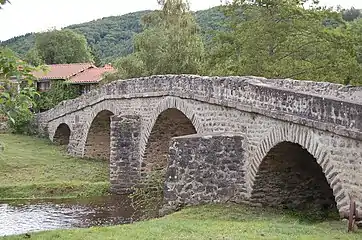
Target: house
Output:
[{"x": 84, "y": 75}]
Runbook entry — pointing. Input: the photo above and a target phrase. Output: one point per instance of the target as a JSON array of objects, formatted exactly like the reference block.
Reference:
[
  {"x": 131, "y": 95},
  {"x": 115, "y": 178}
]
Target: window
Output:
[
  {"x": 85, "y": 88},
  {"x": 43, "y": 86}
]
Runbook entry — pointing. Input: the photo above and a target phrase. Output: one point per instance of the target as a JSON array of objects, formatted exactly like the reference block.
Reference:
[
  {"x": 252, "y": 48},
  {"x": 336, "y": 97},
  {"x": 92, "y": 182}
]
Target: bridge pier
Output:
[
  {"x": 205, "y": 168},
  {"x": 76, "y": 140},
  {"x": 125, "y": 158}
]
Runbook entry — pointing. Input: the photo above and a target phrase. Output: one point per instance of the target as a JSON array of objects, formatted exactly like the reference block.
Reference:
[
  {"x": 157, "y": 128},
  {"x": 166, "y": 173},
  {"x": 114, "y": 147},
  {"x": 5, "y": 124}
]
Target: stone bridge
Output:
[{"x": 262, "y": 141}]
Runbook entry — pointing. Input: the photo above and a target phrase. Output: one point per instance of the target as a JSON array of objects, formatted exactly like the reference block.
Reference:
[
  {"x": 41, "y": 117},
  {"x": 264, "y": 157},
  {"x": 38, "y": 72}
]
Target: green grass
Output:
[
  {"x": 212, "y": 222},
  {"x": 35, "y": 168}
]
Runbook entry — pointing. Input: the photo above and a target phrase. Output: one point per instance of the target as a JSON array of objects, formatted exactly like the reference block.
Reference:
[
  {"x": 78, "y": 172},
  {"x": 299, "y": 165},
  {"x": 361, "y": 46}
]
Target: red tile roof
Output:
[
  {"x": 62, "y": 71},
  {"x": 91, "y": 75}
]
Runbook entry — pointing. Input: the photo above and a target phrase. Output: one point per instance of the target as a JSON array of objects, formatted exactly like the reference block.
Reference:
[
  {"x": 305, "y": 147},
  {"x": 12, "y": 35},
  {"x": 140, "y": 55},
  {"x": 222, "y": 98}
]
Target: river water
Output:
[{"x": 38, "y": 215}]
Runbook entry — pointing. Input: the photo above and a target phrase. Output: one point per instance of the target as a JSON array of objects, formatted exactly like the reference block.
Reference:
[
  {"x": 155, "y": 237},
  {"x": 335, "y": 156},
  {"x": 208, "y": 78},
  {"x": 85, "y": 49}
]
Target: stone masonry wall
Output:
[
  {"x": 290, "y": 177},
  {"x": 340, "y": 157},
  {"x": 205, "y": 168}
]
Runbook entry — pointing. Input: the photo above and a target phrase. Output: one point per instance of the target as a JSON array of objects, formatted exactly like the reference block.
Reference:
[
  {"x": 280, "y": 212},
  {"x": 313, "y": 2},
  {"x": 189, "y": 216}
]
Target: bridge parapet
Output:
[{"x": 325, "y": 106}]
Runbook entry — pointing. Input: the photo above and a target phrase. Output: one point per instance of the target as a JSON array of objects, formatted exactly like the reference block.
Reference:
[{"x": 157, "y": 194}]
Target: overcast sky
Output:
[{"x": 24, "y": 16}]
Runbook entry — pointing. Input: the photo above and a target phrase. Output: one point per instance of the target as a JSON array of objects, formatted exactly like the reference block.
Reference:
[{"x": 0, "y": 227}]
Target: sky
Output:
[{"x": 24, "y": 16}]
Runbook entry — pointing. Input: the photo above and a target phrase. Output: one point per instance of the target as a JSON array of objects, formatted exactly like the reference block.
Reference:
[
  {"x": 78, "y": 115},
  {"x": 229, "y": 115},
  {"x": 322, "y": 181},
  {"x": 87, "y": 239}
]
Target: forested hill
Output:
[{"x": 111, "y": 37}]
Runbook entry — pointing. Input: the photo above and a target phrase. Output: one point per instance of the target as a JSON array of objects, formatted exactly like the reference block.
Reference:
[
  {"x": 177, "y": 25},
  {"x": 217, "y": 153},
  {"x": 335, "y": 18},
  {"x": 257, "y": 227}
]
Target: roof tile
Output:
[
  {"x": 62, "y": 71},
  {"x": 91, "y": 75}
]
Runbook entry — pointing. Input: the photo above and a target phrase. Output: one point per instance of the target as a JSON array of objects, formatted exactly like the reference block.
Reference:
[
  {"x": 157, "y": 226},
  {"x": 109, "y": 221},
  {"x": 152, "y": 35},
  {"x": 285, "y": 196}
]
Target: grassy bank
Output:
[
  {"x": 34, "y": 168},
  {"x": 212, "y": 222}
]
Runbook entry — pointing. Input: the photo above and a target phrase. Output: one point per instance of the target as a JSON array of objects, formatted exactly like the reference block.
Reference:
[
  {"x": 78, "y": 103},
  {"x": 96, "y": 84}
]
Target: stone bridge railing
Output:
[{"x": 325, "y": 106}]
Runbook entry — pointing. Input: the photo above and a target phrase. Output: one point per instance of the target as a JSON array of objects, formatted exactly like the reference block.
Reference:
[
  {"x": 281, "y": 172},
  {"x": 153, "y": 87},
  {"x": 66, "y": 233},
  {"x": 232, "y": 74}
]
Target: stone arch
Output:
[
  {"x": 62, "y": 134},
  {"x": 171, "y": 118},
  {"x": 300, "y": 140},
  {"x": 98, "y": 139}
]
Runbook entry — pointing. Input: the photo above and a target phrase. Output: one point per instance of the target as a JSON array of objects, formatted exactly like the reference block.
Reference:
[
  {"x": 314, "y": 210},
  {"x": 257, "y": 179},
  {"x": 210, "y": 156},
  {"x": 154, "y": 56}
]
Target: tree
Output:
[
  {"x": 33, "y": 58},
  {"x": 64, "y": 46},
  {"x": 2, "y": 2},
  {"x": 283, "y": 39},
  {"x": 351, "y": 14},
  {"x": 95, "y": 56},
  {"x": 170, "y": 43},
  {"x": 17, "y": 91}
]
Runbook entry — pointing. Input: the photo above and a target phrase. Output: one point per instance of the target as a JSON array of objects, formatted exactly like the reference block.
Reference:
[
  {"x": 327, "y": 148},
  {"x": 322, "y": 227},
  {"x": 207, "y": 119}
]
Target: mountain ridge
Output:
[{"x": 112, "y": 37}]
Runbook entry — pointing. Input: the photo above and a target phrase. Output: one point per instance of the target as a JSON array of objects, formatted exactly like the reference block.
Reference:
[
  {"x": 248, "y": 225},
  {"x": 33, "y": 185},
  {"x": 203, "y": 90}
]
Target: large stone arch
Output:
[
  {"x": 97, "y": 139},
  {"x": 305, "y": 138},
  {"x": 170, "y": 109},
  {"x": 62, "y": 134}
]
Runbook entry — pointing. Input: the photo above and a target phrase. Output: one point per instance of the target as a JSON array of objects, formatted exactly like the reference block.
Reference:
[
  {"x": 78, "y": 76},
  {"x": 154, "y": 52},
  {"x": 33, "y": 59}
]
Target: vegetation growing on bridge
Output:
[{"x": 34, "y": 168}]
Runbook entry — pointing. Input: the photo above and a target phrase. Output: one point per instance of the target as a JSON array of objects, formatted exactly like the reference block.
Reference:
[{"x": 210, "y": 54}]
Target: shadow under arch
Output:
[
  {"x": 291, "y": 170},
  {"x": 169, "y": 123},
  {"x": 97, "y": 144},
  {"x": 289, "y": 177},
  {"x": 62, "y": 134},
  {"x": 167, "y": 103}
]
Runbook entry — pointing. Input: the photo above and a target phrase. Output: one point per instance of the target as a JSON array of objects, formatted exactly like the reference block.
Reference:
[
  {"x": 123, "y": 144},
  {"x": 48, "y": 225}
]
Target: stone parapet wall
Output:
[
  {"x": 327, "y": 89},
  {"x": 334, "y": 112}
]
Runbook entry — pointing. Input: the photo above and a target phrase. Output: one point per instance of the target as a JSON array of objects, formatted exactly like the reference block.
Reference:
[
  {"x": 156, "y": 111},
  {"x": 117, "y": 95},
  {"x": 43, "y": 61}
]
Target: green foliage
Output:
[
  {"x": 356, "y": 29},
  {"x": 17, "y": 92},
  {"x": 65, "y": 46},
  {"x": 95, "y": 57},
  {"x": 148, "y": 196},
  {"x": 127, "y": 67},
  {"x": 59, "y": 91},
  {"x": 33, "y": 58},
  {"x": 22, "y": 123},
  {"x": 351, "y": 14},
  {"x": 112, "y": 37},
  {"x": 283, "y": 39},
  {"x": 170, "y": 44},
  {"x": 21, "y": 45},
  {"x": 2, "y": 2}
]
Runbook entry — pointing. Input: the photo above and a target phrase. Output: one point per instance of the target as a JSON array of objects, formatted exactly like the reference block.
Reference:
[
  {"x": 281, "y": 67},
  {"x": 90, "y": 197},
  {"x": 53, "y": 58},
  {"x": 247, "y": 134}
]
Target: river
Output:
[{"x": 28, "y": 216}]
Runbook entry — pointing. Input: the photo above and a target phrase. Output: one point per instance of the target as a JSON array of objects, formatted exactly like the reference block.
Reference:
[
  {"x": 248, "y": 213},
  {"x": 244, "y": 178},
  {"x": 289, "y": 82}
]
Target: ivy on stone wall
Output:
[{"x": 60, "y": 91}]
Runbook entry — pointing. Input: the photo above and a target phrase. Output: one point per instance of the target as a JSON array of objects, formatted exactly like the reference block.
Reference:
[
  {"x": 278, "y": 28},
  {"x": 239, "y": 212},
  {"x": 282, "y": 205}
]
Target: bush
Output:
[{"x": 22, "y": 123}]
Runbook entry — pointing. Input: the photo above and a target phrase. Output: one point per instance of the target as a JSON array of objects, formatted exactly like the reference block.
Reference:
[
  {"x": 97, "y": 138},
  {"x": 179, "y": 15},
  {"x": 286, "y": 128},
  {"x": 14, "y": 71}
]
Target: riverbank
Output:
[
  {"x": 213, "y": 222},
  {"x": 31, "y": 167}
]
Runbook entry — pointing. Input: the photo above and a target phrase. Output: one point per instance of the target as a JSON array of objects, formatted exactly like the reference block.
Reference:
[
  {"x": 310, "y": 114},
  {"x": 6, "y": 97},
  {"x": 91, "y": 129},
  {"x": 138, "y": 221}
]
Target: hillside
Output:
[{"x": 111, "y": 37}]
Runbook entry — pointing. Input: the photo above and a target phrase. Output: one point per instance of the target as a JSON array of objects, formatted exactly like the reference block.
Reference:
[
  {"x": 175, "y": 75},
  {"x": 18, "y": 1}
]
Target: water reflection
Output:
[{"x": 31, "y": 216}]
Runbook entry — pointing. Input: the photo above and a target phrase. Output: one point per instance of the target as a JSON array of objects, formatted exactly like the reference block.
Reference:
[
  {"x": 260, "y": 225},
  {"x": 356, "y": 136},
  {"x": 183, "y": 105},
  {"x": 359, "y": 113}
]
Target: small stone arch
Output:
[
  {"x": 298, "y": 140},
  {"x": 172, "y": 118},
  {"x": 62, "y": 134},
  {"x": 97, "y": 142}
]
